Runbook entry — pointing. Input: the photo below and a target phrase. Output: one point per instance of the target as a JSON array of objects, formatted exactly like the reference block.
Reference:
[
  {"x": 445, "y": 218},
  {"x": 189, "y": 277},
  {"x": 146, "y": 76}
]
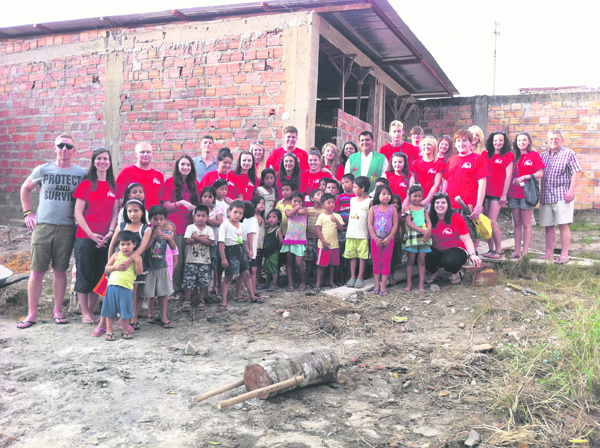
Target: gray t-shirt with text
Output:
[{"x": 57, "y": 204}]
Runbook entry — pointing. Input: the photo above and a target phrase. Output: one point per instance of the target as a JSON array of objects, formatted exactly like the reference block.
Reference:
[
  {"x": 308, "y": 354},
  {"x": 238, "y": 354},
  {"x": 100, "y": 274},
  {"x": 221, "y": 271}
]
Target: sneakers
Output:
[
  {"x": 359, "y": 283},
  {"x": 350, "y": 283}
]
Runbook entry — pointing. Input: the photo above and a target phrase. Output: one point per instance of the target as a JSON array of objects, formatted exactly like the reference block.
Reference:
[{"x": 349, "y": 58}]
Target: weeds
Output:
[{"x": 584, "y": 227}]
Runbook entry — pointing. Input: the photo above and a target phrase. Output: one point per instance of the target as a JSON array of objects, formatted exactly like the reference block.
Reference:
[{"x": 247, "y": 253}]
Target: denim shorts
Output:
[
  {"x": 117, "y": 300},
  {"x": 519, "y": 203},
  {"x": 237, "y": 259}
]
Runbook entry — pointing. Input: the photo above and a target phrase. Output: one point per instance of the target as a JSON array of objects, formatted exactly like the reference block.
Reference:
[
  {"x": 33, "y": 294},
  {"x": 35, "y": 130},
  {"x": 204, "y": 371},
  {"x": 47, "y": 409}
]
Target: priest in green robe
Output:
[{"x": 367, "y": 162}]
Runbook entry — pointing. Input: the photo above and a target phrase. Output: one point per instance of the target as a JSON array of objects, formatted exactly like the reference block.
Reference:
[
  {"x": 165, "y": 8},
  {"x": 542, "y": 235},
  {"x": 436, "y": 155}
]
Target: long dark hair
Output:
[
  {"x": 489, "y": 145},
  {"x": 516, "y": 150},
  {"x": 128, "y": 190},
  {"x": 256, "y": 200},
  {"x": 405, "y": 172},
  {"x": 210, "y": 190},
  {"x": 449, "y": 212},
  {"x": 190, "y": 181},
  {"x": 140, "y": 204},
  {"x": 92, "y": 174},
  {"x": 378, "y": 192},
  {"x": 295, "y": 178},
  {"x": 251, "y": 171},
  {"x": 343, "y": 156}
]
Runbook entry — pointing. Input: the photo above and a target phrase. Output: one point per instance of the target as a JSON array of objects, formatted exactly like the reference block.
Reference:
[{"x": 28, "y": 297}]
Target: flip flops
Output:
[
  {"x": 223, "y": 308},
  {"x": 25, "y": 324},
  {"x": 61, "y": 320},
  {"x": 110, "y": 337},
  {"x": 98, "y": 332},
  {"x": 273, "y": 288},
  {"x": 562, "y": 260},
  {"x": 127, "y": 335},
  {"x": 167, "y": 324},
  {"x": 135, "y": 326}
]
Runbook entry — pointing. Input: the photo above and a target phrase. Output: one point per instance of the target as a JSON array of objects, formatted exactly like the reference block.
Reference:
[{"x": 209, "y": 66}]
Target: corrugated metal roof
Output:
[{"x": 378, "y": 32}]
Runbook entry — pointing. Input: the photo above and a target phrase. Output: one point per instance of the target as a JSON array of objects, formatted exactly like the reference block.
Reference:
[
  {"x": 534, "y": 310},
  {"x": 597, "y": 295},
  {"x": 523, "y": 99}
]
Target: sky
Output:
[{"x": 541, "y": 44}]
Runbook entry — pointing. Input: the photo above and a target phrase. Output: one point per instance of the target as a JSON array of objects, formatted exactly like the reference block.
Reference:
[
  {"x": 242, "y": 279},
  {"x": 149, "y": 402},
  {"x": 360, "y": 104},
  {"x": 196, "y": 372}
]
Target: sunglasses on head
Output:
[
  {"x": 258, "y": 142},
  {"x": 314, "y": 153},
  {"x": 440, "y": 195},
  {"x": 62, "y": 145}
]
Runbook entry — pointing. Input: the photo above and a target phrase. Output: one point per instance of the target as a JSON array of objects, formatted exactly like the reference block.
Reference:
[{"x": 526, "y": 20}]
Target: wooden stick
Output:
[
  {"x": 218, "y": 391},
  {"x": 257, "y": 392}
]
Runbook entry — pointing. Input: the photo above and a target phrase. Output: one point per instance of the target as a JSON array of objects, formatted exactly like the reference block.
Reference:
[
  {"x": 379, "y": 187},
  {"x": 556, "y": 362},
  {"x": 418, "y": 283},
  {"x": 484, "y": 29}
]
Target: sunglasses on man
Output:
[{"x": 62, "y": 145}]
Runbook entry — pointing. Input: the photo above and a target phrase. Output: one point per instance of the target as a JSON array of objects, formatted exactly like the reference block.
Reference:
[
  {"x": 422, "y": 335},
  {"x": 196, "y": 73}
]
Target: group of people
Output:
[{"x": 189, "y": 235}]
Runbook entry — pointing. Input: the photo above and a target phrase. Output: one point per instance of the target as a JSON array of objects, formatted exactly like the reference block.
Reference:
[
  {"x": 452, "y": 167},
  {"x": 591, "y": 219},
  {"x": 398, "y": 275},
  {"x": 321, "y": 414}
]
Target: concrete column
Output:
[
  {"x": 480, "y": 112},
  {"x": 376, "y": 109},
  {"x": 112, "y": 107},
  {"x": 301, "y": 46}
]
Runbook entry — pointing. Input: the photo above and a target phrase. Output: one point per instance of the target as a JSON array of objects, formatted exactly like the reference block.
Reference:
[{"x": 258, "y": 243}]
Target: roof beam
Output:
[
  {"x": 179, "y": 15},
  {"x": 43, "y": 28},
  {"x": 341, "y": 8},
  {"x": 399, "y": 62},
  {"x": 385, "y": 19}
]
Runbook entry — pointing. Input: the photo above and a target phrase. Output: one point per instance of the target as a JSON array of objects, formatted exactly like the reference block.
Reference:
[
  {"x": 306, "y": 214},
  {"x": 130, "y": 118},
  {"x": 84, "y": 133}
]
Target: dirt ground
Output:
[{"x": 414, "y": 384}]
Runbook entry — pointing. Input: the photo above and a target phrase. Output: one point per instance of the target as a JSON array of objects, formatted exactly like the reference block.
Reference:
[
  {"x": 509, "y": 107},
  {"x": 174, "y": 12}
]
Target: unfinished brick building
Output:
[{"x": 240, "y": 73}]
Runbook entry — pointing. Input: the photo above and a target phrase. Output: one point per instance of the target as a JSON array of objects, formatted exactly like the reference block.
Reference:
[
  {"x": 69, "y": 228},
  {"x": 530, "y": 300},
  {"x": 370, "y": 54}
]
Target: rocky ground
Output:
[{"x": 415, "y": 383}]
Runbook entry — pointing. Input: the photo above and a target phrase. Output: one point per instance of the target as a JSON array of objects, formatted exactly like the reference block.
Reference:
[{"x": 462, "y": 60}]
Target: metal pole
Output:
[{"x": 496, "y": 34}]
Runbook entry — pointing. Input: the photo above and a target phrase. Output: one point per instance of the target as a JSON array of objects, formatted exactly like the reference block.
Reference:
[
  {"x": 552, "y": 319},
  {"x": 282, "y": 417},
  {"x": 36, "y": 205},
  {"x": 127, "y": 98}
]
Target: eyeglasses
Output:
[{"x": 62, "y": 145}]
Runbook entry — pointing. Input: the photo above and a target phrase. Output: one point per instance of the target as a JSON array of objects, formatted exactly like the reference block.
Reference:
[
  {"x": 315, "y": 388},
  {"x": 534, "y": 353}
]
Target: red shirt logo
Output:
[
  {"x": 499, "y": 161},
  {"x": 110, "y": 194},
  {"x": 467, "y": 165},
  {"x": 432, "y": 171},
  {"x": 156, "y": 181},
  {"x": 528, "y": 163},
  {"x": 447, "y": 231}
]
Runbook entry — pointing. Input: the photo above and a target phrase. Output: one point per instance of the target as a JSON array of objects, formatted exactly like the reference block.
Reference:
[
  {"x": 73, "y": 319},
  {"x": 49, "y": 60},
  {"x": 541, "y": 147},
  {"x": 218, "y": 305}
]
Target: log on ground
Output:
[{"x": 319, "y": 365}]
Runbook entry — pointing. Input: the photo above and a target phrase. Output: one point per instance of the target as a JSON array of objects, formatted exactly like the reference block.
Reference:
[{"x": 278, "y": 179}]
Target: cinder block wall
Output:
[
  {"x": 166, "y": 84},
  {"x": 576, "y": 115}
]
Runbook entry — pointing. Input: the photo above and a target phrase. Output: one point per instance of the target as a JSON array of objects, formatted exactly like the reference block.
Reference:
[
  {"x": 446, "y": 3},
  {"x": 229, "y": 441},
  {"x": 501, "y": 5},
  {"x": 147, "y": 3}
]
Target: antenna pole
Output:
[{"x": 496, "y": 34}]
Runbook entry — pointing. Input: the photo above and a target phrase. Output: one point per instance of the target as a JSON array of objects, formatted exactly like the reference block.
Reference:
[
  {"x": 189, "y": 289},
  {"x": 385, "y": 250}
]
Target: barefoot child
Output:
[
  {"x": 273, "y": 241},
  {"x": 294, "y": 243},
  {"x": 328, "y": 224},
  {"x": 119, "y": 294},
  {"x": 383, "y": 224},
  {"x": 157, "y": 284},
  {"x": 197, "y": 270},
  {"x": 357, "y": 236},
  {"x": 417, "y": 236},
  {"x": 231, "y": 244}
]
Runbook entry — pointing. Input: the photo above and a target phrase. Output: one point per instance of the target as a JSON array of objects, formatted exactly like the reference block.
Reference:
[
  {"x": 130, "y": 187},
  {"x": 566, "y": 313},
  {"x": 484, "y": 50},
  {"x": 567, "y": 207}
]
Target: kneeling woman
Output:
[{"x": 451, "y": 244}]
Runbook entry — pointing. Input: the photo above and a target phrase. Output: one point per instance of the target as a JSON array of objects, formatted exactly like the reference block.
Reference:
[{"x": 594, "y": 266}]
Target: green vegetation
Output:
[{"x": 584, "y": 226}]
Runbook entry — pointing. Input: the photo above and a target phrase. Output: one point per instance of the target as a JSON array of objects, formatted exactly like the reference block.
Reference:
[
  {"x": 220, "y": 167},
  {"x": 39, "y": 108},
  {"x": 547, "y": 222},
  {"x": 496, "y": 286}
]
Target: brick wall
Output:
[
  {"x": 232, "y": 86},
  {"x": 576, "y": 115},
  {"x": 347, "y": 127}
]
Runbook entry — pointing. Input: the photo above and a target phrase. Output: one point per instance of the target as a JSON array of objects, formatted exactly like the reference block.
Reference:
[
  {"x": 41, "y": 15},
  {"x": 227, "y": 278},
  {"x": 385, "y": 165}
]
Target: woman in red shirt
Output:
[
  {"x": 259, "y": 152},
  {"x": 349, "y": 149},
  {"x": 500, "y": 166},
  {"x": 235, "y": 189},
  {"x": 445, "y": 149},
  {"x": 527, "y": 163},
  {"x": 289, "y": 169},
  {"x": 427, "y": 170},
  {"x": 180, "y": 197},
  {"x": 330, "y": 160},
  {"x": 246, "y": 171},
  {"x": 96, "y": 211},
  {"x": 451, "y": 245}
]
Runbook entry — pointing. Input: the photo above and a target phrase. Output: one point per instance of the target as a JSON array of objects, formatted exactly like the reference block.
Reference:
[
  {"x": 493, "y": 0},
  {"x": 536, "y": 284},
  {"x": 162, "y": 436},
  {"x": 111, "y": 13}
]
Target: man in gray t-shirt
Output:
[{"x": 53, "y": 226}]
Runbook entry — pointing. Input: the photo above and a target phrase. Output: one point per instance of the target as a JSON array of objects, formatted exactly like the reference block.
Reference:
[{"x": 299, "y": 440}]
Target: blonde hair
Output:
[
  {"x": 333, "y": 166},
  {"x": 481, "y": 143},
  {"x": 262, "y": 162},
  {"x": 433, "y": 142},
  {"x": 397, "y": 124},
  {"x": 69, "y": 136},
  {"x": 141, "y": 145}
]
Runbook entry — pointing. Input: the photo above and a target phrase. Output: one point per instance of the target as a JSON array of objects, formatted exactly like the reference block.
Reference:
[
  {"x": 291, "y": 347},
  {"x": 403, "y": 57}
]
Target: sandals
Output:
[
  {"x": 317, "y": 289},
  {"x": 562, "y": 260},
  {"x": 135, "y": 326},
  {"x": 453, "y": 281},
  {"x": 273, "y": 288},
  {"x": 375, "y": 291},
  {"x": 187, "y": 306},
  {"x": 167, "y": 324},
  {"x": 201, "y": 306},
  {"x": 241, "y": 299},
  {"x": 493, "y": 255},
  {"x": 151, "y": 320},
  {"x": 258, "y": 300},
  {"x": 383, "y": 293},
  {"x": 25, "y": 324},
  {"x": 127, "y": 335},
  {"x": 223, "y": 308},
  {"x": 98, "y": 332},
  {"x": 291, "y": 289},
  {"x": 88, "y": 321},
  {"x": 110, "y": 337},
  {"x": 60, "y": 320}
]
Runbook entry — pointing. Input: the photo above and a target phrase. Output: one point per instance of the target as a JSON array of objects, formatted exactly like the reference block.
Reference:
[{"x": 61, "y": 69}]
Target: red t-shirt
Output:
[
  {"x": 151, "y": 180},
  {"x": 310, "y": 181},
  {"x": 181, "y": 217},
  {"x": 529, "y": 163},
  {"x": 98, "y": 206},
  {"x": 462, "y": 174},
  {"x": 411, "y": 152},
  {"x": 248, "y": 187},
  {"x": 235, "y": 187},
  {"x": 497, "y": 168},
  {"x": 342, "y": 206},
  {"x": 275, "y": 158},
  {"x": 446, "y": 237},
  {"x": 425, "y": 172},
  {"x": 398, "y": 184}
]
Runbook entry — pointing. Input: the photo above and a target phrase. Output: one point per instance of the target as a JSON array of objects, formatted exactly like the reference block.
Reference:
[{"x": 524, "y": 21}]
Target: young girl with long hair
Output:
[
  {"x": 383, "y": 224},
  {"x": 398, "y": 175},
  {"x": 268, "y": 189},
  {"x": 246, "y": 171},
  {"x": 180, "y": 198},
  {"x": 134, "y": 190},
  {"x": 418, "y": 236},
  {"x": 289, "y": 169},
  {"x": 294, "y": 243},
  {"x": 216, "y": 212},
  {"x": 259, "y": 214},
  {"x": 500, "y": 165}
]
